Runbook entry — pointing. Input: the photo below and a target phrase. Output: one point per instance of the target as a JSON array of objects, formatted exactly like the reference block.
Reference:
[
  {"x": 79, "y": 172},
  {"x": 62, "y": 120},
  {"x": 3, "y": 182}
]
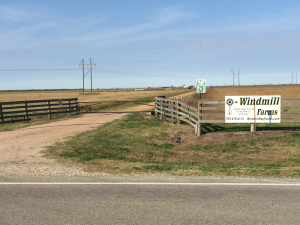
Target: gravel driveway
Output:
[{"x": 20, "y": 150}]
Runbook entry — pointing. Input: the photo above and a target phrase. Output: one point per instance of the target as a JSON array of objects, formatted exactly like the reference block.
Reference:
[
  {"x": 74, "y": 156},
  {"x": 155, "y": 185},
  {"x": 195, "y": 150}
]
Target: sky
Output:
[{"x": 142, "y": 43}]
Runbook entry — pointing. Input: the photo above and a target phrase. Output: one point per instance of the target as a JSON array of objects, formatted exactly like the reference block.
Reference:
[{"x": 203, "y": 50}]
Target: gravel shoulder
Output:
[{"x": 20, "y": 149}]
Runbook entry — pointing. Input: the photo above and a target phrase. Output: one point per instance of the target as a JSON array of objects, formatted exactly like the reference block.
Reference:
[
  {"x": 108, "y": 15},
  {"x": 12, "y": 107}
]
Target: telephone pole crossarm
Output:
[
  {"x": 294, "y": 76},
  {"x": 236, "y": 76},
  {"x": 90, "y": 67}
]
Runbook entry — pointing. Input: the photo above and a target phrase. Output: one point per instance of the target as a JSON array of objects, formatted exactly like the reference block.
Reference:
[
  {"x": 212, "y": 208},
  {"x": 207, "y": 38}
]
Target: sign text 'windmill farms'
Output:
[{"x": 251, "y": 109}]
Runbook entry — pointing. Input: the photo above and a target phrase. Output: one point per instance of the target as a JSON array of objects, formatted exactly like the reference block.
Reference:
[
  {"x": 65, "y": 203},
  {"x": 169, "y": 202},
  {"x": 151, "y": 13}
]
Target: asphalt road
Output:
[{"x": 112, "y": 201}]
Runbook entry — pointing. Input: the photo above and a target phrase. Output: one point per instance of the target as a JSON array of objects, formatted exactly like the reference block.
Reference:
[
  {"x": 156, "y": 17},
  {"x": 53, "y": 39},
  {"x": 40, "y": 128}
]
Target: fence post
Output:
[
  {"x": 77, "y": 107},
  {"x": 199, "y": 130},
  {"x": 173, "y": 112},
  {"x": 49, "y": 110},
  {"x": 1, "y": 114},
  {"x": 161, "y": 110},
  {"x": 77, "y": 111},
  {"x": 163, "y": 114},
  {"x": 165, "y": 110},
  {"x": 69, "y": 107},
  {"x": 155, "y": 112},
  {"x": 178, "y": 110},
  {"x": 252, "y": 127},
  {"x": 26, "y": 110}
]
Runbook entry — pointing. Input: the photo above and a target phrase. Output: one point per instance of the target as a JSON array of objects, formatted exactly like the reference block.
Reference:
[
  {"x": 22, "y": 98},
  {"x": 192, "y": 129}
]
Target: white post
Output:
[{"x": 252, "y": 129}]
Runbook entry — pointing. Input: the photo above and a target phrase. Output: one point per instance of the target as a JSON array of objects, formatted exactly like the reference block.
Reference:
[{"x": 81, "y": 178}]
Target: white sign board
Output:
[
  {"x": 201, "y": 86},
  {"x": 251, "y": 109}
]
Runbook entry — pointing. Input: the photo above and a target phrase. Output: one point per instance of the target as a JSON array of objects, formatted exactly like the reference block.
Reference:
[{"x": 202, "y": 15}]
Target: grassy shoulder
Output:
[{"x": 140, "y": 143}]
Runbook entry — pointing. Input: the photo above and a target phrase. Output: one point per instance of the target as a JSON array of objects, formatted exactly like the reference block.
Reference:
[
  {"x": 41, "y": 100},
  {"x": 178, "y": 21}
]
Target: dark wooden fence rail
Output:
[
  {"x": 213, "y": 111},
  {"x": 22, "y": 110}
]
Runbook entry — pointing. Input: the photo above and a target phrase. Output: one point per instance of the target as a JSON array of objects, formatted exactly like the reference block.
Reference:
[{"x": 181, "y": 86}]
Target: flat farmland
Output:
[
  {"x": 286, "y": 91},
  {"x": 108, "y": 100},
  {"x": 130, "y": 95}
]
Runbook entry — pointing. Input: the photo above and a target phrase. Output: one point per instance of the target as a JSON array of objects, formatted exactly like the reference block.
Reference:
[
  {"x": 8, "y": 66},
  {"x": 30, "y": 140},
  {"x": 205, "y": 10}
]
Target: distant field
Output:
[
  {"x": 286, "y": 91},
  {"x": 112, "y": 95}
]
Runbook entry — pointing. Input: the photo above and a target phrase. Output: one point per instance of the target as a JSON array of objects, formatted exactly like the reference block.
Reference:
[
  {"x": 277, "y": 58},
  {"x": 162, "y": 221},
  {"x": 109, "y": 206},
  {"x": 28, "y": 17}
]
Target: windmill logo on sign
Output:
[{"x": 229, "y": 102}]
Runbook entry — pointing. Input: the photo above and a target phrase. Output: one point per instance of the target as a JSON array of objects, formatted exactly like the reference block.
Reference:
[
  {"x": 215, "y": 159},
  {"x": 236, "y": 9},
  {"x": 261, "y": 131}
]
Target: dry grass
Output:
[
  {"x": 95, "y": 97},
  {"x": 139, "y": 143},
  {"x": 286, "y": 91}
]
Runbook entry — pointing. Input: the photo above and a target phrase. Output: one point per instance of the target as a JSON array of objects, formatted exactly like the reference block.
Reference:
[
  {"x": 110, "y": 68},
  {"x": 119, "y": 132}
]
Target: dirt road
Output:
[{"x": 20, "y": 150}]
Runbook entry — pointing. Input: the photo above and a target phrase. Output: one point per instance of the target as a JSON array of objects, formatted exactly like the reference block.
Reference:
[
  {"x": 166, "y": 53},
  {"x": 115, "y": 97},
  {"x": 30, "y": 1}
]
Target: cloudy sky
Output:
[{"x": 143, "y": 43}]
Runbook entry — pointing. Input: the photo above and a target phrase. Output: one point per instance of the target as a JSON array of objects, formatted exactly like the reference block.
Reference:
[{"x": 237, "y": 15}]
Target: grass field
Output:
[{"x": 140, "y": 143}]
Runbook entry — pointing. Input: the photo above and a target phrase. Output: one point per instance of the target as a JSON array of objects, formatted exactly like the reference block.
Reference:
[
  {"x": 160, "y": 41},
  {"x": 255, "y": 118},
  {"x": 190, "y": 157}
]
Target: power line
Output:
[
  {"x": 91, "y": 64},
  {"x": 151, "y": 75},
  {"x": 104, "y": 70},
  {"x": 294, "y": 75},
  {"x": 30, "y": 70},
  {"x": 234, "y": 76}
]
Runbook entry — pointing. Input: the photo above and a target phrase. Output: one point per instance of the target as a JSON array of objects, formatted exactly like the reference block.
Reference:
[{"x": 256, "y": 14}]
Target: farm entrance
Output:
[{"x": 115, "y": 106}]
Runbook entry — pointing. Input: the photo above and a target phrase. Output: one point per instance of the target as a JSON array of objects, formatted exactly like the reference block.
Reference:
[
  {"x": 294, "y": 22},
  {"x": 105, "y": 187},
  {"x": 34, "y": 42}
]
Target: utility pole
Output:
[
  {"x": 91, "y": 74},
  {"x": 239, "y": 76},
  {"x": 294, "y": 75},
  {"x": 234, "y": 76},
  {"x": 90, "y": 67}
]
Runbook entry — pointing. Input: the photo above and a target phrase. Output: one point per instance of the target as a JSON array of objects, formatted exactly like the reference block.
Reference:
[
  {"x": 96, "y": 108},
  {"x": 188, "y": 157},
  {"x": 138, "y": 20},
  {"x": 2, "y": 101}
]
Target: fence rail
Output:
[
  {"x": 11, "y": 112},
  {"x": 209, "y": 111},
  {"x": 175, "y": 111}
]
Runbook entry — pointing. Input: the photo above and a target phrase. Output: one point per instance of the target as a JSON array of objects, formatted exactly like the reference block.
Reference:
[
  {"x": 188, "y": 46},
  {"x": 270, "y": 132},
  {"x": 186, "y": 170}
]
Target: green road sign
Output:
[{"x": 201, "y": 86}]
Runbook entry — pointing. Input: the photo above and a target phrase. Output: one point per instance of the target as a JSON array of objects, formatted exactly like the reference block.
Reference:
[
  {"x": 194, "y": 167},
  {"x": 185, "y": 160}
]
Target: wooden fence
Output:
[
  {"x": 11, "y": 112},
  {"x": 174, "y": 110},
  {"x": 213, "y": 111}
]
